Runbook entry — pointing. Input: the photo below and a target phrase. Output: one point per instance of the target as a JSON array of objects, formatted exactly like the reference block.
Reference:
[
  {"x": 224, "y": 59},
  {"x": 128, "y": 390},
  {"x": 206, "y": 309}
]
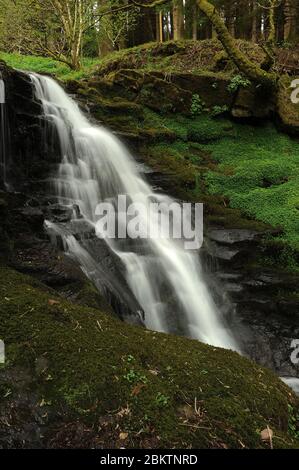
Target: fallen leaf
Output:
[{"x": 137, "y": 389}]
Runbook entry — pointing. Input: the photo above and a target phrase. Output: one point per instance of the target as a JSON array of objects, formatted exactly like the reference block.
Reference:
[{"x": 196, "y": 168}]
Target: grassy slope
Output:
[
  {"x": 169, "y": 56},
  {"x": 48, "y": 66},
  {"x": 92, "y": 367}
]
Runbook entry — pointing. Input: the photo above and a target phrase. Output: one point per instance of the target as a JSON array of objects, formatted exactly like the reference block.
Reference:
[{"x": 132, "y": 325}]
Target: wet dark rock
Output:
[
  {"x": 59, "y": 213},
  {"x": 33, "y": 216},
  {"x": 30, "y": 154},
  {"x": 232, "y": 236}
]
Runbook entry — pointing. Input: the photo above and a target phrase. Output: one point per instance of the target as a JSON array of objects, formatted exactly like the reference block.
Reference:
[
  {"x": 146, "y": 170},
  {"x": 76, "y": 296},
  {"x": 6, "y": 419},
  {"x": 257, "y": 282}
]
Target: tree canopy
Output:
[{"x": 68, "y": 29}]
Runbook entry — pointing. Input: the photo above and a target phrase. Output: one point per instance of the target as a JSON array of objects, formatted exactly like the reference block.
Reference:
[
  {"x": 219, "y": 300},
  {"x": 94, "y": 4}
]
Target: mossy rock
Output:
[
  {"x": 252, "y": 102},
  {"x": 212, "y": 88},
  {"x": 71, "y": 365},
  {"x": 173, "y": 92},
  {"x": 154, "y": 90}
]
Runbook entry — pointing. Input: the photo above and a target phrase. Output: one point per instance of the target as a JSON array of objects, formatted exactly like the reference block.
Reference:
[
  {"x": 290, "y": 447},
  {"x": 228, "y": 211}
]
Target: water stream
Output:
[{"x": 4, "y": 137}]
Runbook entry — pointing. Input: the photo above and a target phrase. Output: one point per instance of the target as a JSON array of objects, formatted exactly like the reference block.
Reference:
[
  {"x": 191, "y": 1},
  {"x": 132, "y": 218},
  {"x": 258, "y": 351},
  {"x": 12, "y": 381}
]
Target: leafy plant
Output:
[
  {"x": 135, "y": 376},
  {"x": 161, "y": 400},
  {"x": 293, "y": 422},
  {"x": 130, "y": 358},
  {"x": 218, "y": 110},
  {"x": 197, "y": 105},
  {"x": 238, "y": 81}
]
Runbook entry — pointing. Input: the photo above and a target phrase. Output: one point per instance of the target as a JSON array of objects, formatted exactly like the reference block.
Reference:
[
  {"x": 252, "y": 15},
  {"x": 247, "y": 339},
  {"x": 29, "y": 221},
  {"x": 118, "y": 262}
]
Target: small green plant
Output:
[
  {"x": 130, "y": 358},
  {"x": 134, "y": 376},
  {"x": 293, "y": 422},
  {"x": 197, "y": 105},
  {"x": 238, "y": 81},
  {"x": 161, "y": 400},
  {"x": 218, "y": 110}
]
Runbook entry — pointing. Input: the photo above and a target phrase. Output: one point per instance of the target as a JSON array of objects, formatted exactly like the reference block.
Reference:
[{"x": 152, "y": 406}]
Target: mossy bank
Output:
[{"x": 79, "y": 377}]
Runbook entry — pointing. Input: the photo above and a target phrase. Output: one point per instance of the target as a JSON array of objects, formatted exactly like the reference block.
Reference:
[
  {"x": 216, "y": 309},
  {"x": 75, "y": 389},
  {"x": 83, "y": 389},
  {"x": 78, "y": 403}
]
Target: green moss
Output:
[
  {"x": 171, "y": 392},
  {"x": 177, "y": 56},
  {"x": 258, "y": 171},
  {"x": 48, "y": 66},
  {"x": 254, "y": 170}
]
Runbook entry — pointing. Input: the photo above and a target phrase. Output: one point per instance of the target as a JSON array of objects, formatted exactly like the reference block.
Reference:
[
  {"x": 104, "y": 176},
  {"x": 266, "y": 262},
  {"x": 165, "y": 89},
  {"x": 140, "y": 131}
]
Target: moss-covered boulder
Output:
[
  {"x": 75, "y": 376},
  {"x": 252, "y": 102}
]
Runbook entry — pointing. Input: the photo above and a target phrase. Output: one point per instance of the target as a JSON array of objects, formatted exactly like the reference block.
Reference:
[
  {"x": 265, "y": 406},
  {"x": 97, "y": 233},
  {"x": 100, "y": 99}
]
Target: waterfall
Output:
[
  {"x": 167, "y": 280},
  {"x": 3, "y": 137}
]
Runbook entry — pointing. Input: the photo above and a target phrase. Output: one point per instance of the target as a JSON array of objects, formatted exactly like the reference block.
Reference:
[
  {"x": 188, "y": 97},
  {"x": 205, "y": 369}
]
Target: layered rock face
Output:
[{"x": 29, "y": 156}]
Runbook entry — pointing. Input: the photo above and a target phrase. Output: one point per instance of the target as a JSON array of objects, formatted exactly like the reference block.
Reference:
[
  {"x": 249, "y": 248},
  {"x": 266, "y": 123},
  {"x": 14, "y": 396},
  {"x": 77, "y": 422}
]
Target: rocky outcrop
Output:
[
  {"x": 265, "y": 300},
  {"x": 31, "y": 155},
  {"x": 172, "y": 92}
]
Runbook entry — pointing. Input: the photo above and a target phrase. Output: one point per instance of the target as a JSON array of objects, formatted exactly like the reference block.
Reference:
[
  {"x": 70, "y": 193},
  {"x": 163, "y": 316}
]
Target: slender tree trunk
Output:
[
  {"x": 194, "y": 21},
  {"x": 290, "y": 20},
  {"x": 159, "y": 26},
  {"x": 191, "y": 19},
  {"x": 272, "y": 29},
  {"x": 229, "y": 12},
  {"x": 254, "y": 22},
  {"x": 178, "y": 20}
]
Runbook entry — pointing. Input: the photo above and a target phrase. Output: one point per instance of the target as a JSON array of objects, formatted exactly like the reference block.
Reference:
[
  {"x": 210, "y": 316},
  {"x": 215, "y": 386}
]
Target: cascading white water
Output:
[
  {"x": 3, "y": 133},
  {"x": 2, "y": 91},
  {"x": 167, "y": 280}
]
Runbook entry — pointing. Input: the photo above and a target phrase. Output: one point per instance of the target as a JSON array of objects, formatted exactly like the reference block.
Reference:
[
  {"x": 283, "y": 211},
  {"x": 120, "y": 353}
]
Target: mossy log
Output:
[{"x": 251, "y": 70}]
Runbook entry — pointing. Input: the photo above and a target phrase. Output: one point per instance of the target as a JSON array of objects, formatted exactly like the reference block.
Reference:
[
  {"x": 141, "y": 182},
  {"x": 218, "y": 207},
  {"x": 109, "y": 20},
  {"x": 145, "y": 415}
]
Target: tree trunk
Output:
[
  {"x": 191, "y": 14},
  {"x": 178, "y": 20},
  {"x": 272, "y": 29},
  {"x": 290, "y": 20},
  {"x": 229, "y": 12},
  {"x": 194, "y": 22},
  {"x": 254, "y": 22},
  {"x": 159, "y": 26}
]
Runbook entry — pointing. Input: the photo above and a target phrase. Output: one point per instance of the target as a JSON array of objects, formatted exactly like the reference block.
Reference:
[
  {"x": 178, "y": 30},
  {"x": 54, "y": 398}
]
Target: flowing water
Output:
[
  {"x": 3, "y": 136},
  {"x": 167, "y": 280}
]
